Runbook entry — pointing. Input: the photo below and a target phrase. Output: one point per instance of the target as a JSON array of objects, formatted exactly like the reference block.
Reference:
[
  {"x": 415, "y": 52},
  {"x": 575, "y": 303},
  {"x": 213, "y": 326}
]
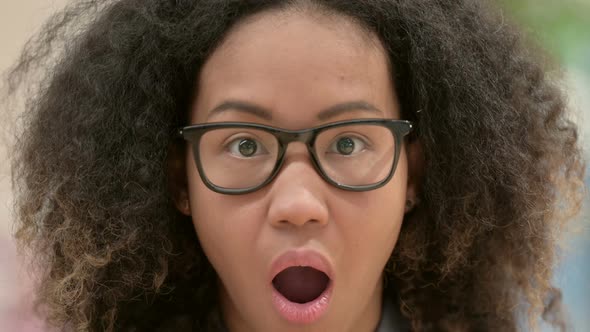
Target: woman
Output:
[{"x": 293, "y": 165}]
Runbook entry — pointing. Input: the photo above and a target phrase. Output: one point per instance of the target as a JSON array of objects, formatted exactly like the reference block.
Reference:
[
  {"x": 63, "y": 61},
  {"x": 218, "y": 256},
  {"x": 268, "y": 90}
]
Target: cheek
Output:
[
  {"x": 226, "y": 233},
  {"x": 375, "y": 233},
  {"x": 372, "y": 231}
]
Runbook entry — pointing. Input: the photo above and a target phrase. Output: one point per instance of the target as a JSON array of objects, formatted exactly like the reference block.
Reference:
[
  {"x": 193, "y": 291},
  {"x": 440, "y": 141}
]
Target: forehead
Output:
[{"x": 296, "y": 64}]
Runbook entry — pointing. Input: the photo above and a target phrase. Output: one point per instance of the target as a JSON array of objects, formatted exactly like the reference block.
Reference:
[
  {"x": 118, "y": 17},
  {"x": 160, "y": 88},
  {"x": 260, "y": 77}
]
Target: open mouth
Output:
[{"x": 301, "y": 284}]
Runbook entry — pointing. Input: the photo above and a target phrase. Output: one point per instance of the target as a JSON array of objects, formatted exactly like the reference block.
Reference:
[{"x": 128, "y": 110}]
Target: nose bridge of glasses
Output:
[{"x": 303, "y": 136}]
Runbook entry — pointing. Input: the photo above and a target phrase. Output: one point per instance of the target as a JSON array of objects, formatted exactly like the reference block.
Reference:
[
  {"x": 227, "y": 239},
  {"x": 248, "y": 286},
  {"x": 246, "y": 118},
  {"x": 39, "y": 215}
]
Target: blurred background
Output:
[{"x": 562, "y": 27}]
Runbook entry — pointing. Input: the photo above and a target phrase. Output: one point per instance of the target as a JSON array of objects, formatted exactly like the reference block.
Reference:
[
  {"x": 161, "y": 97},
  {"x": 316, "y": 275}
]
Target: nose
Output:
[{"x": 297, "y": 195}]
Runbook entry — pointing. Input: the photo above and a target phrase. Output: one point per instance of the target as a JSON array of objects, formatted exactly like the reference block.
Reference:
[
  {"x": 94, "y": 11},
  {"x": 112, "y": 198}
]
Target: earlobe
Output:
[
  {"x": 409, "y": 205},
  {"x": 415, "y": 174},
  {"x": 177, "y": 178},
  {"x": 183, "y": 206}
]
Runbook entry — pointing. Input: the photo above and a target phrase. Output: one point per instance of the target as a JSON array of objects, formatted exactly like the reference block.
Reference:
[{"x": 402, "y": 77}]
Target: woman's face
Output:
[{"x": 295, "y": 65}]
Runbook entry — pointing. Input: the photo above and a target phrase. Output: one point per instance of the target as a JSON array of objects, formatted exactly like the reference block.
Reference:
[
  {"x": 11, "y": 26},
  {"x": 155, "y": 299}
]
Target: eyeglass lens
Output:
[{"x": 353, "y": 155}]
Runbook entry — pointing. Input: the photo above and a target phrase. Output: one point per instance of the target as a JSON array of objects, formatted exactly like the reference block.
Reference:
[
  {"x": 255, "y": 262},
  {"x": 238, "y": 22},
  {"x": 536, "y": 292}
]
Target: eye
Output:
[
  {"x": 245, "y": 147},
  {"x": 347, "y": 145}
]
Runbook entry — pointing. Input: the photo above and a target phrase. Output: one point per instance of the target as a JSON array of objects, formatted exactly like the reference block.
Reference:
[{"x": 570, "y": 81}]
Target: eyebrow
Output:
[{"x": 263, "y": 113}]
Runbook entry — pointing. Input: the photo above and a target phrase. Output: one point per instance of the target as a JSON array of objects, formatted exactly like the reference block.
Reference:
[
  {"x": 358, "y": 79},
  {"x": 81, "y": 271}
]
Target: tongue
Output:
[{"x": 301, "y": 284}]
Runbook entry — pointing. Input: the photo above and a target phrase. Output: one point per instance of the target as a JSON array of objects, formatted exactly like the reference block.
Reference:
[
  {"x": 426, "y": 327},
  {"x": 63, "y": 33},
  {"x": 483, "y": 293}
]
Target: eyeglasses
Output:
[{"x": 238, "y": 158}]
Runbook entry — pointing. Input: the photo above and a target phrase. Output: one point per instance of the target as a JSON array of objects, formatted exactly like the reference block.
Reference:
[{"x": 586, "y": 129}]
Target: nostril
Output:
[{"x": 291, "y": 221}]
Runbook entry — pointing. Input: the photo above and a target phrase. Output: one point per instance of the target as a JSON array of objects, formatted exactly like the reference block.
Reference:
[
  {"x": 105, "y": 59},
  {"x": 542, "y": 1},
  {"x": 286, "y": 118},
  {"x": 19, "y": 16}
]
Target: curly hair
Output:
[{"x": 502, "y": 164}]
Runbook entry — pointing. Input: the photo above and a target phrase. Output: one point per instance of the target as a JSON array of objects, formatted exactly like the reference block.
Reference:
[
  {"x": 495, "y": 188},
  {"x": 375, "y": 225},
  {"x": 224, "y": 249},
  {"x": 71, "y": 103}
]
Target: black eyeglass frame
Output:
[{"x": 194, "y": 133}]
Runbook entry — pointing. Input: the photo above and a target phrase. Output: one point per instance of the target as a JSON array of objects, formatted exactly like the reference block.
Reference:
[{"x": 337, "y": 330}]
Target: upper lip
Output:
[{"x": 301, "y": 257}]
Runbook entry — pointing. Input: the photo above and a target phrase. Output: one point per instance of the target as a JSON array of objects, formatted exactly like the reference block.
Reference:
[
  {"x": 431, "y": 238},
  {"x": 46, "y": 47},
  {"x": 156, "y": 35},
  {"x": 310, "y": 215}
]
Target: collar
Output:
[{"x": 391, "y": 318}]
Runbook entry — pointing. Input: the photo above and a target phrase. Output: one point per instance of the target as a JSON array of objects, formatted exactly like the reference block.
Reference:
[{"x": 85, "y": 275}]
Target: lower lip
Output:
[{"x": 302, "y": 313}]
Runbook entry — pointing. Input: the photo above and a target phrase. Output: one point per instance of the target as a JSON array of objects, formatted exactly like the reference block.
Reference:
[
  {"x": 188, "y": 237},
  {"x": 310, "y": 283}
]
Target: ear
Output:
[
  {"x": 177, "y": 178},
  {"x": 415, "y": 155}
]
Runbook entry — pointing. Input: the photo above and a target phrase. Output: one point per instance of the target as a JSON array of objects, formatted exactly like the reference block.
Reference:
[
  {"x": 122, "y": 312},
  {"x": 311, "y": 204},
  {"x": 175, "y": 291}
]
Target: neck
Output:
[{"x": 368, "y": 319}]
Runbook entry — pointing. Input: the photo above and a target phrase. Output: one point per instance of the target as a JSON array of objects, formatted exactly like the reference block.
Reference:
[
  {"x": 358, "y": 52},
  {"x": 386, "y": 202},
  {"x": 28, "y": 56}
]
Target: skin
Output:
[{"x": 296, "y": 64}]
